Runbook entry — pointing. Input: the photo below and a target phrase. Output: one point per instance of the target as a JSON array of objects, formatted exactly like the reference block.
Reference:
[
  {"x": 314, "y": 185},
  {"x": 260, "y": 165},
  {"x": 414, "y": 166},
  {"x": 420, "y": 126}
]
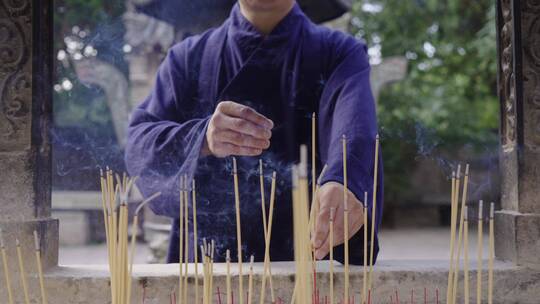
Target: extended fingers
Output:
[
  {"x": 224, "y": 122},
  {"x": 244, "y": 112}
]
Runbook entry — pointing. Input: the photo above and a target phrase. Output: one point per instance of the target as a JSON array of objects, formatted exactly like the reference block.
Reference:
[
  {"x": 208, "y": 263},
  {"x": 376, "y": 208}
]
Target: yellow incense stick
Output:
[
  {"x": 195, "y": 240},
  {"x": 365, "y": 262},
  {"x": 40, "y": 269},
  {"x": 238, "y": 233},
  {"x": 313, "y": 154},
  {"x": 250, "y": 280},
  {"x": 345, "y": 219},
  {"x": 373, "y": 210},
  {"x": 460, "y": 233},
  {"x": 6, "y": 269},
  {"x": 22, "y": 272},
  {"x": 186, "y": 237},
  {"x": 331, "y": 240},
  {"x": 479, "y": 257},
  {"x": 452, "y": 231},
  {"x": 205, "y": 272},
  {"x": 210, "y": 293},
  {"x": 181, "y": 242},
  {"x": 466, "y": 256},
  {"x": 267, "y": 271},
  {"x": 228, "y": 282},
  {"x": 491, "y": 253}
]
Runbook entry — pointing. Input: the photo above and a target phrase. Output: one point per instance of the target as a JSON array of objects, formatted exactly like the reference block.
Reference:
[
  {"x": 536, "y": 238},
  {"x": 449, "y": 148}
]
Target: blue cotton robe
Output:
[{"x": 297, "y": 69}]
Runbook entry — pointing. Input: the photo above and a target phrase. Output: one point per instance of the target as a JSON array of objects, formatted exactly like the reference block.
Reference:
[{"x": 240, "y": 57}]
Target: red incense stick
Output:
[{"x": 219, "y": 295}]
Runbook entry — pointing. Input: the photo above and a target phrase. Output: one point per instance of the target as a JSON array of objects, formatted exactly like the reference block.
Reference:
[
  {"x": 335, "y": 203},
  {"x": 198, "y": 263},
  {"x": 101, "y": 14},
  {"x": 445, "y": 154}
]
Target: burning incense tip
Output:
[
  {"x": 2, "y": 239},
  {"x": 491, "y": 210},
  {"x": 480, "y": 210},
  {"x": 235, "y": 169},
  {"x": 17, "y": 243},
  {"x": 302, "y": 170},
  {"x": 36, "y": 240},
  {"x": 467, "y": 170}
]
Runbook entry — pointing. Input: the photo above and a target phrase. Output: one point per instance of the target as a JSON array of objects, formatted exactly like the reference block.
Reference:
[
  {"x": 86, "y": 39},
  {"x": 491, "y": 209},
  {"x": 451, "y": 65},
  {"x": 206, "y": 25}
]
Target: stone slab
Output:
[
  {"x": 20, "y": 198},
  {"x": 24, "y": 231},
  {"x": 90, "y": 284},
  {"x": 518, "y": 238}
]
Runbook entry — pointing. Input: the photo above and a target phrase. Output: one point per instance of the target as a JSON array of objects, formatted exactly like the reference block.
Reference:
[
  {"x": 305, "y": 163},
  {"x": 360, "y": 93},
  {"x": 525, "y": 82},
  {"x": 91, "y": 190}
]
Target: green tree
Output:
[
  {"x": 448, "y": 99},
  {"x": 85, "y": 28}
]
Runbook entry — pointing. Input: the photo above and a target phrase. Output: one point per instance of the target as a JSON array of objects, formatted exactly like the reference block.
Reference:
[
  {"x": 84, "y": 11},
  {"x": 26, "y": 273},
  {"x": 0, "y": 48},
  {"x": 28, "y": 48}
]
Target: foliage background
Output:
[{"x": 448, "y": 101}]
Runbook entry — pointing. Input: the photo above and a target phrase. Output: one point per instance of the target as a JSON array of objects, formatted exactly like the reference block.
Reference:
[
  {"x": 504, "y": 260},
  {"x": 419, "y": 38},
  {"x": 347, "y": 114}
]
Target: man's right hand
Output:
[{"x": 235, "y": 129}]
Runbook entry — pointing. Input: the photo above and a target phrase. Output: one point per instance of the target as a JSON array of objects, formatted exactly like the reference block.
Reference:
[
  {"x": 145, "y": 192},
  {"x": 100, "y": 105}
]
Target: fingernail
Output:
[{"x": 269, "y": 124}]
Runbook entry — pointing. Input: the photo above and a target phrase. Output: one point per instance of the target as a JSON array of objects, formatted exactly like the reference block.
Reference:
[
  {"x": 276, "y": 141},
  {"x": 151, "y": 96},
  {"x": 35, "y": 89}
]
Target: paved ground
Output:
[{"x": 404, "y": 244}]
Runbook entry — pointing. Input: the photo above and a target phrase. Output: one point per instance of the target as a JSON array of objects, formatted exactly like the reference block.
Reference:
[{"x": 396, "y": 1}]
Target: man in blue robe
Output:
[{"x": 248, "y": 89}]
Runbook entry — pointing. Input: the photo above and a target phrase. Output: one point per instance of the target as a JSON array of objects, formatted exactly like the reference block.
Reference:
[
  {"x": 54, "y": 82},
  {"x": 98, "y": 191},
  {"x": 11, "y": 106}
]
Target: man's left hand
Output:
[{"x": 330, "y": 195}]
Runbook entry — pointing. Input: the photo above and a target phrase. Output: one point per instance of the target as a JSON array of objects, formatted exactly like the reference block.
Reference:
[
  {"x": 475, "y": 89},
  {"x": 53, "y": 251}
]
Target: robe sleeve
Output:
[
  {"x": 347, "y": 108},
  {"x": 166, "y": 134}
]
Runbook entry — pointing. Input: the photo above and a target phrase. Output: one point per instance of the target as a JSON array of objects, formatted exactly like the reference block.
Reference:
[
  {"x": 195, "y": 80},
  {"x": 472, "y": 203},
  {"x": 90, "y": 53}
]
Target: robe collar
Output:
[{"x": 248, "y": 38}]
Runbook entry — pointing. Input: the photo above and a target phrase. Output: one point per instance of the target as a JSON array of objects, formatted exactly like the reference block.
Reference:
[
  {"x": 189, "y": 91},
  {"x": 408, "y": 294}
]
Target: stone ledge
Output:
[
  {"x": 518, "y": 237},
  {"x": 90, "y": 284}
]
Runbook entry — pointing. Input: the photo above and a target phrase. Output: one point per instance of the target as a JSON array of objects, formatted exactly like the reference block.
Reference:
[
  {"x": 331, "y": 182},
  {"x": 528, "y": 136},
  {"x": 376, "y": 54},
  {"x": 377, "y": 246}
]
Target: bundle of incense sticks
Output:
[
  {"x": 207, "y": 253},
  {"x": 456, "y": 241},
  {"x": 22, "y": 270},
  {"x": 302, "y": 246},
  {"x": 463, "y": 242},
  {"x": 116, "y": 230},
  {"x": 460, "y": 232},
  {"x": 453, "y": 214}
]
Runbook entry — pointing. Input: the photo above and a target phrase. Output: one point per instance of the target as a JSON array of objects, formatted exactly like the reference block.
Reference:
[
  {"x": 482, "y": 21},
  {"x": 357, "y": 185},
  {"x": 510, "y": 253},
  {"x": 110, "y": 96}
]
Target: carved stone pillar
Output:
[
  {"x": 518, "y": 224},
  {"x": 25, "y": 116}
]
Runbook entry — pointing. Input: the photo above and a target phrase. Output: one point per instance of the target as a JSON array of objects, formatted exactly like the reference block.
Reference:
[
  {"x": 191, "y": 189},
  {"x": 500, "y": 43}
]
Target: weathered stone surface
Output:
[
  {"x": 518, "y": 237},
  {"x": 25, "y": 117},
  {"x": 47, "y": 230},
  {"x": 519, "y": 94},
  {"x": 89, "y": 285}
]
